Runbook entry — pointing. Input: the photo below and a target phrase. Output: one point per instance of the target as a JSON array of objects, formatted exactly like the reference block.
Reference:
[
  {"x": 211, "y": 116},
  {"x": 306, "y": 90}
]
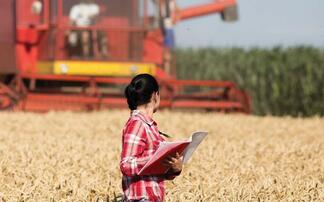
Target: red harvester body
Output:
[{"x": 49, "y": 62}]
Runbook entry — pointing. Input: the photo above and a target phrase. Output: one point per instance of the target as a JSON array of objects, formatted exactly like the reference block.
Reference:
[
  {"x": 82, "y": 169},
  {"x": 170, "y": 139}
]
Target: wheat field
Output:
[{"x": 65, "y": 156}]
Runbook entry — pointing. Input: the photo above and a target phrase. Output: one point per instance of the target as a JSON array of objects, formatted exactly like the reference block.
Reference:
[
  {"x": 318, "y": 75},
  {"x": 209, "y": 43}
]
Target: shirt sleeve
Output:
[
  {"x": 94, "y": 10},
  {"x": 74, "y": 13},
  {"x": 134, "y": 142}
]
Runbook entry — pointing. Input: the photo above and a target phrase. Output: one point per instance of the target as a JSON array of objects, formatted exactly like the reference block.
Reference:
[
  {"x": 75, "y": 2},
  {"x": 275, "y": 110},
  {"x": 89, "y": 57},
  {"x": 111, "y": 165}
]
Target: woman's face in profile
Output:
[{"x": 156, "y": 100}]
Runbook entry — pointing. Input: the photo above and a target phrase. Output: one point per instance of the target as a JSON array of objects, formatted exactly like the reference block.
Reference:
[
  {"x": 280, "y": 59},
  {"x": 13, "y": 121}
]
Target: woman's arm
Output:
[{"x": 134, "y": 141}]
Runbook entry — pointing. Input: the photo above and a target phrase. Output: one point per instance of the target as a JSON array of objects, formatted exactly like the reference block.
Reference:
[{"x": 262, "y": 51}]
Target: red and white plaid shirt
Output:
[{"x": 140, "y": 140}]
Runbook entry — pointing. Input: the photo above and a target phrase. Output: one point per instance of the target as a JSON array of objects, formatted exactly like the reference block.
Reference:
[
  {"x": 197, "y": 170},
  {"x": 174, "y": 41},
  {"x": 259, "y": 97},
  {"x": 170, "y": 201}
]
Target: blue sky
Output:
[{"x": 262, "y": 23}]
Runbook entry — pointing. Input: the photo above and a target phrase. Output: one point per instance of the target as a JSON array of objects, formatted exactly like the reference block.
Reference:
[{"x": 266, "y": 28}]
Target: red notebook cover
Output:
[{"x": 154, "y": 166}]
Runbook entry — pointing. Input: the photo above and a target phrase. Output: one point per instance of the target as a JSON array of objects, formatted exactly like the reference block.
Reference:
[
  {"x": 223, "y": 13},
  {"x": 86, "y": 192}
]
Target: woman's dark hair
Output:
[{"x": 140, "y": 90}]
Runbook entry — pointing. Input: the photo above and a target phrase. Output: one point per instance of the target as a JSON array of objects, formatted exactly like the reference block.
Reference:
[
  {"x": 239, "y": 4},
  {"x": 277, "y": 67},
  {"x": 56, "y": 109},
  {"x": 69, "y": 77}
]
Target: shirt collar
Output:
[{"x": 143, "y": 117}]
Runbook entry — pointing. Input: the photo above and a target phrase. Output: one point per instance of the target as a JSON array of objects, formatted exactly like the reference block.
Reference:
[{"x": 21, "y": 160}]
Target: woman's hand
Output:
[{"x": 175, "y": 162}]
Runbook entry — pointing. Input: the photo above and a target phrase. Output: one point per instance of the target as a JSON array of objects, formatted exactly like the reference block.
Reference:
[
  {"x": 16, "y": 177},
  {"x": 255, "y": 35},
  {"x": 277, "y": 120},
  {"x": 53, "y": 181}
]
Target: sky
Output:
[{"x": 262, "y": 23}]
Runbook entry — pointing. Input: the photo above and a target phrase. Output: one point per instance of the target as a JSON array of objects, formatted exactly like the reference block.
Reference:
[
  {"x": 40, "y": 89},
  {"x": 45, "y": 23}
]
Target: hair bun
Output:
[
  {"x": 131, "y": 96},
  {"x": 131, "y": 88},
  {"x": 138, "y": 85}
]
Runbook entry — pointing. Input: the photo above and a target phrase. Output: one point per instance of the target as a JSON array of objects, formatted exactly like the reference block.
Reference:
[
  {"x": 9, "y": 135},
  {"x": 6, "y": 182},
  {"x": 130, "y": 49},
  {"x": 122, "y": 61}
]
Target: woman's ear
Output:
[{"x": 155, "y": 96}]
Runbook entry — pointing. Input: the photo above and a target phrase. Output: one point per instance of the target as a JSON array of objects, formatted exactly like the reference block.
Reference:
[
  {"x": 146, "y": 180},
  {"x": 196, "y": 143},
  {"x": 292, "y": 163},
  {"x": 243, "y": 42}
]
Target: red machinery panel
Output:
[
  {"x": 7, "y": 37},
  {"x": 35, "y": 33}
]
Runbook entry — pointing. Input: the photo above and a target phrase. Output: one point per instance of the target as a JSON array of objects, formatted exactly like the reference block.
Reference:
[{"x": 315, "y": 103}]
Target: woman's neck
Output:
[{"x": 147, "y": 110}]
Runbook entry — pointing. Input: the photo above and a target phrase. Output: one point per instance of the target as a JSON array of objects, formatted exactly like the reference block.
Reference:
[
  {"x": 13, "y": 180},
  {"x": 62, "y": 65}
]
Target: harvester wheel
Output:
[
  {"x": 8, "y": 97},
  {"x": 230, "y": 14},
  {"x": 5, "y": 102}
]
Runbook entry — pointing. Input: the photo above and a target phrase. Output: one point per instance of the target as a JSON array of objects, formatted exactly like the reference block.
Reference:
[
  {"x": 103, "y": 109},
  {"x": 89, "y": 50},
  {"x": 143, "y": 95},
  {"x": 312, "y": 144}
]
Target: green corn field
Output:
[{"x": 281, "y": 81}]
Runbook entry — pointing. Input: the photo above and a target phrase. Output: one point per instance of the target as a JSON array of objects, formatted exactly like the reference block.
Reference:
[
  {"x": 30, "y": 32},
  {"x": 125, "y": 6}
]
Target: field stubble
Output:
[{"x": 64, "y": 156}]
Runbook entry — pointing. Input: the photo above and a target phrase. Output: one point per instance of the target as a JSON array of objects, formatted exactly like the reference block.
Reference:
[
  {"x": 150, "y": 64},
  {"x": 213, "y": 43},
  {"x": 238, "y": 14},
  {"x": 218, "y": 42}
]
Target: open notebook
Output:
[{"x": 155, "y": 167}]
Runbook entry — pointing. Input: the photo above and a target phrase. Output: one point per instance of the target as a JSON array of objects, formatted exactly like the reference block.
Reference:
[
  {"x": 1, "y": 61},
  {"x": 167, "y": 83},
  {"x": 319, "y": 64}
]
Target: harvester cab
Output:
[{"x": 79, "y": 54}]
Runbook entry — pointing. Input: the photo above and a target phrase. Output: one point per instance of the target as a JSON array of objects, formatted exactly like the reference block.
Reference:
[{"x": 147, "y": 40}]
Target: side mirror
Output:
[
  {"x": 37, "y": 7},
  {"x": 230, "y": 14}
]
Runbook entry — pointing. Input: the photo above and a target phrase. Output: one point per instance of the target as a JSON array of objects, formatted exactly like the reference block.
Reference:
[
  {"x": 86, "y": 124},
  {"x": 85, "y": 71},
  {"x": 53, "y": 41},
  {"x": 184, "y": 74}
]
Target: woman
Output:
[{"x": 140, "y": 140}]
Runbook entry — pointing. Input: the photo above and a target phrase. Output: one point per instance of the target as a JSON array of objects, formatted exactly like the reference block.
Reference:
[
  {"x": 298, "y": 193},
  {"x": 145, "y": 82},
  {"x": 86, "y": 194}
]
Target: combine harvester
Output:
[{"x": 50, "y": 62}]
